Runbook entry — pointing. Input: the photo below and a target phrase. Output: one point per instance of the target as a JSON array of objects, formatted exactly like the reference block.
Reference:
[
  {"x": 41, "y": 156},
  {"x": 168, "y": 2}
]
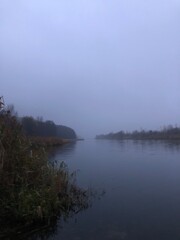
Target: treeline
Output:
[
  {"x": 37, "y": 127},
  {"x": 169, "y": 132}
]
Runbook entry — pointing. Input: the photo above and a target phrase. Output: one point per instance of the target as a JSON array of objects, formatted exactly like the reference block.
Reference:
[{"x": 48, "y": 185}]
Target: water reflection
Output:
[
  {"x": 63, "y": 150},
  {"x": 170, "y": 145},
  {"x": 142, "y": 184}
]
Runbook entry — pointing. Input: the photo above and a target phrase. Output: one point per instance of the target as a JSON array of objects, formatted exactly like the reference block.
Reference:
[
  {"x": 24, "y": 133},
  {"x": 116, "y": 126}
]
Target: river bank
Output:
[
  {"x": 48, "y": 141},
  {"x": 33, "y": 191}
]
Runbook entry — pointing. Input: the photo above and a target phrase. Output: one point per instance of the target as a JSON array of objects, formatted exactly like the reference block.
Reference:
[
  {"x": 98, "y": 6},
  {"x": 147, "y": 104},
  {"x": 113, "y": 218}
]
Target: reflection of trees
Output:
[
  {"x": 172, "y": 145},
  {"x": 62, "y": 150}
]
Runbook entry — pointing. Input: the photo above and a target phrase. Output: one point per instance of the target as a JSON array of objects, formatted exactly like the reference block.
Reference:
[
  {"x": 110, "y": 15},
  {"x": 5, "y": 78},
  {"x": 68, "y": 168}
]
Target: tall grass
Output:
[{"x": 32, "y": 189}]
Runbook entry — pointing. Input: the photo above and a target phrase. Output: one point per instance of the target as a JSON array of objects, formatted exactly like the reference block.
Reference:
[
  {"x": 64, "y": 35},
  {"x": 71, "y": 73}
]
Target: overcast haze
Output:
[{"x": 94, "y": 65}]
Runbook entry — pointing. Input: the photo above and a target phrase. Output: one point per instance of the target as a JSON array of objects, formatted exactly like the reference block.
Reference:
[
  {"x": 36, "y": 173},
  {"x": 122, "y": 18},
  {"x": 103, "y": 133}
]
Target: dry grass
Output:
[{"x": 31, "y": 189}]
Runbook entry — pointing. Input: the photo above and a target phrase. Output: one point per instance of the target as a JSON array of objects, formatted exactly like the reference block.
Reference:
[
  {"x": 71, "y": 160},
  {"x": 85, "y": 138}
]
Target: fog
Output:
[{"x": 94, "y": 65}]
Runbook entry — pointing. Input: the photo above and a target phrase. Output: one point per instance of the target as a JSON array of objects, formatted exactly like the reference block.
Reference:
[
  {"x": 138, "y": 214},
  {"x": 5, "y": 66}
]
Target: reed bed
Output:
[{"x": 32, "y": 190}]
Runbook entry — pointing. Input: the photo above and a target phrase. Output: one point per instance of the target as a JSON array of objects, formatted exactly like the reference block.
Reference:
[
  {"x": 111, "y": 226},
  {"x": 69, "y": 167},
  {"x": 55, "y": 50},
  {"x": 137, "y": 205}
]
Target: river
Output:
[{"x": 137, "y": 185}]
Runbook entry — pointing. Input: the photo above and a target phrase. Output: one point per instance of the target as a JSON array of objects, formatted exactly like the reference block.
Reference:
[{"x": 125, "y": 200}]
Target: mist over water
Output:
[
  {"x": 95, "y": 66},
  {"x": 99, "y": 67}
]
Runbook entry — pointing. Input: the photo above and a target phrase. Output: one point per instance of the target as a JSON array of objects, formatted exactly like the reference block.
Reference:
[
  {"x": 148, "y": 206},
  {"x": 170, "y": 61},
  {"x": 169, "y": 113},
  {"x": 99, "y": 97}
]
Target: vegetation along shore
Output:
[
  {"x": 167, "y": 133},
  {"x": 33, "y": 191}
]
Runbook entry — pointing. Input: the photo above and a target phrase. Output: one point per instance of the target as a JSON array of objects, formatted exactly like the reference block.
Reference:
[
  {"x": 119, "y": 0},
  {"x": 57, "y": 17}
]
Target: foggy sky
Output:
[{"x": 94, "y": 65}]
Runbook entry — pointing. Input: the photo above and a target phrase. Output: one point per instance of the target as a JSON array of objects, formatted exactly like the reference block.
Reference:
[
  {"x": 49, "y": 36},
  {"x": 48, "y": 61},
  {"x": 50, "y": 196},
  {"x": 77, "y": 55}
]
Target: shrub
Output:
[{"x": 32, "y": 189}]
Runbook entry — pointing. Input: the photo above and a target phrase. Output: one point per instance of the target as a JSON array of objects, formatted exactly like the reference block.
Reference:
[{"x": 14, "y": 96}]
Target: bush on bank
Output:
[{"x": 32, "y": 189}]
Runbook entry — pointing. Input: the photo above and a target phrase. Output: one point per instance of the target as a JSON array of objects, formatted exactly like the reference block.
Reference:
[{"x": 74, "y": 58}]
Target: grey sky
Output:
[{"x": 94, "y": 65}]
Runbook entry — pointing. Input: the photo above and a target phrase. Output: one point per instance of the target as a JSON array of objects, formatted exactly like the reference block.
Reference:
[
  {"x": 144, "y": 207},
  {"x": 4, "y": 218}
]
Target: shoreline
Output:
[{"x": 49, "y": 141}]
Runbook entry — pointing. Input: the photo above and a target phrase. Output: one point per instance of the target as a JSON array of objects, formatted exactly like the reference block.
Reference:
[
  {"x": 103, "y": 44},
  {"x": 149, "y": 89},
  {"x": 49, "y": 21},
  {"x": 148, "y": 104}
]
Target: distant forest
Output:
[
  {"x": 169, "y": 132},
  {"x": 40, "y": 128}
]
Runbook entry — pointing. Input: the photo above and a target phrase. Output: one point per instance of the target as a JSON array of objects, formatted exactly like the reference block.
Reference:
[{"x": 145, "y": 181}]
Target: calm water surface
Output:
[{"x": 141, "y": 180}]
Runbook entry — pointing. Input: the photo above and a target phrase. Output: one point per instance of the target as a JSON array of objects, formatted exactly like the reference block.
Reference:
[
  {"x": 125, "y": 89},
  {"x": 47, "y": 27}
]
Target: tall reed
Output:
[{"x": 32, "y": 189}]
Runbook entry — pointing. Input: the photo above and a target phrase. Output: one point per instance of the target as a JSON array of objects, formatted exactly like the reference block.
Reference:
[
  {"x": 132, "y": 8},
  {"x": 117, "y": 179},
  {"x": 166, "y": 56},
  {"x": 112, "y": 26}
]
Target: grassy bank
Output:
[
  {"x": 48, "y": 141},
  {"x": 32, "y": 191}
]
